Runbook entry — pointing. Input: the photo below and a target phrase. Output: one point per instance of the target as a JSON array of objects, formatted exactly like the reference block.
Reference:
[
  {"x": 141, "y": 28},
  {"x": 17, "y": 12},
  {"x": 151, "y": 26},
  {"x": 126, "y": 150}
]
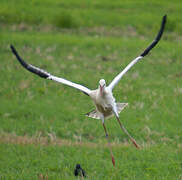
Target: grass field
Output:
[{"x": 43, "y": 129}]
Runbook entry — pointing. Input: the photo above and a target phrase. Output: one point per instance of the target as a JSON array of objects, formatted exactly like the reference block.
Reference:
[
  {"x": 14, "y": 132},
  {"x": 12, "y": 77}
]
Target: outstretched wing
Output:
[
  {"x": 145, "y": 52},
  {"x": 46, "y": 75}
]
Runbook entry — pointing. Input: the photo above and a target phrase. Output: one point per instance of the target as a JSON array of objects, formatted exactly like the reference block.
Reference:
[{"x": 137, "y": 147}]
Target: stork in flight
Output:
[{"x": 105, "y": 103}]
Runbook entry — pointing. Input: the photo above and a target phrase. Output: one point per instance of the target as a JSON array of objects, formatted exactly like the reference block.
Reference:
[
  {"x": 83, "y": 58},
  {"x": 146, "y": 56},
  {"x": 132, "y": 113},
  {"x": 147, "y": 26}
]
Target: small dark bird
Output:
[{"x": 79, "y": 171}]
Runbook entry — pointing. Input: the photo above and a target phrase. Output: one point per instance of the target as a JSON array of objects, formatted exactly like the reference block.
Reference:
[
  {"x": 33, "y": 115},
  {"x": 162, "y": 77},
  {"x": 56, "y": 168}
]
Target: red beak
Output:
[{"x": 101, "y": 89}]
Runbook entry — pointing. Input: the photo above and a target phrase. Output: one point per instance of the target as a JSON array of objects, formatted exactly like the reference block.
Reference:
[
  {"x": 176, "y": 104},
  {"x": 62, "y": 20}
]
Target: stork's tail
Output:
[
  {"x": 94, "y": 114},
  {"x": 121, "y": 106}
]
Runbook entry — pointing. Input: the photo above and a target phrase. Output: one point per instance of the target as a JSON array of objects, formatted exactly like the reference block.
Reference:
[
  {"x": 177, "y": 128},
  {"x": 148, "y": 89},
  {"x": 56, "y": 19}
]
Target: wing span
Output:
[
  {"x": 144, "y": 53},
  {"x": 46, "y": 75}
]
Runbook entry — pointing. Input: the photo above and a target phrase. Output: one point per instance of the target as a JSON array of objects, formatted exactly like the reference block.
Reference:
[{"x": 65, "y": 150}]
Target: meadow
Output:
[{"x": 43, "y": 127}]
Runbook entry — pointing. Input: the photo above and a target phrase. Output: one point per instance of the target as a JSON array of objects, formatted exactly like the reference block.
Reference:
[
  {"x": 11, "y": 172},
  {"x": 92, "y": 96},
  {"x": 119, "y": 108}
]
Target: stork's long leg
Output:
[
  {"x": 126, "y": 132},
  {"x": 124, "y": 129},
  {"x": 109, "y": 145}
]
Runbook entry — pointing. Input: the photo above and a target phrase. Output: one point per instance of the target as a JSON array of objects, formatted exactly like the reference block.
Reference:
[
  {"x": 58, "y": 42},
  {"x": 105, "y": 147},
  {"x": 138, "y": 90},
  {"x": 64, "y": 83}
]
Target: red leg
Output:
[
  {"x": 126, "y": 132},
  {"x": 109, "y": 145}
]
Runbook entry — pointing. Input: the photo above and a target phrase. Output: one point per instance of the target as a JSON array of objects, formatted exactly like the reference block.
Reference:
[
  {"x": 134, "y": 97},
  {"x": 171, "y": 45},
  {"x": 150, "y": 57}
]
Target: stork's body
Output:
[
  {"x": 104, "y": 102},
  {"x": 102, "y": 97}
]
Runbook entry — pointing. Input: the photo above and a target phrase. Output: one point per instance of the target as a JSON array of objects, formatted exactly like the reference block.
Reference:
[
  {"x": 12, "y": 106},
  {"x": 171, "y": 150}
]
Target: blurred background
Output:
[{"x": 43, "y": 129}]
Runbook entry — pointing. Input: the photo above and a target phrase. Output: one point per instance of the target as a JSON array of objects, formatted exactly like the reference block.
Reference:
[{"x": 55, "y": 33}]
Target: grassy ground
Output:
[{"x": 84, "y": 42}]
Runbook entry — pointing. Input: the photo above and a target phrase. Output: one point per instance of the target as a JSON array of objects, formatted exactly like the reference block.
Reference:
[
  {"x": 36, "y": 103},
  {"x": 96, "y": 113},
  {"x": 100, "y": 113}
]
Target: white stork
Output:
[{"x": 105, "y": 103}]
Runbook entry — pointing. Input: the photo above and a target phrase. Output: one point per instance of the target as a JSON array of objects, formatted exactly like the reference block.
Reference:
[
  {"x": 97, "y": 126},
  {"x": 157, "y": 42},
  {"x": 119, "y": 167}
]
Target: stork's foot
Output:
[
  {"x": 135, "y": 144},
  {"x": 109, "y": 145},
  {"x": 113, "y": 161}
]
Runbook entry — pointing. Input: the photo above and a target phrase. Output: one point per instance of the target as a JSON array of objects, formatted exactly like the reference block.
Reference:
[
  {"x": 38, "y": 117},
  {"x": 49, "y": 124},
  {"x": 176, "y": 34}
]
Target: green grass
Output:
[
  {"x": 75, "y": 14},
  {"x": 70, "y": 39},
  {"x": 58, "y": 162}
]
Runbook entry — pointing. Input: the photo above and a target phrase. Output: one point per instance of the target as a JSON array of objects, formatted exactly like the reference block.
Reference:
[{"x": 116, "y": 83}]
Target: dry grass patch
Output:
[{"x": 51, "y": 139}]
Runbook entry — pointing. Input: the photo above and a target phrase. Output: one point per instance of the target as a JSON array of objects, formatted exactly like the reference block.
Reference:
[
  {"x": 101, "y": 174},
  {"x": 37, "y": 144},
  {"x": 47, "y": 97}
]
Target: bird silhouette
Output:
[
  {"x": 105, "y": 103},
  {"x": 79, "y": 171}
]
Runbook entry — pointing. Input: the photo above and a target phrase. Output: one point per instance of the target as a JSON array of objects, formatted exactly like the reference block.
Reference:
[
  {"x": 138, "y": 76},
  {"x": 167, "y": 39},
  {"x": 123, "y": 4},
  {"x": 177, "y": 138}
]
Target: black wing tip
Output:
[
  {"x": 158, "y": 37},
  {"x": 164, "y": 19},
  {"x": 29, "y": 67},
  {"x": 23, "y": 63},
  {"x": 13, "y": 49},
  {"x": 11, "y": 46},
  {"x": 17, "y": 55}
]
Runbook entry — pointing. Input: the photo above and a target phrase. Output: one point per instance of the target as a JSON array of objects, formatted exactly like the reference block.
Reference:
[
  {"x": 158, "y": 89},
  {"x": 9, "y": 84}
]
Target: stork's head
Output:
[{"x": 102, "y": 85}]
